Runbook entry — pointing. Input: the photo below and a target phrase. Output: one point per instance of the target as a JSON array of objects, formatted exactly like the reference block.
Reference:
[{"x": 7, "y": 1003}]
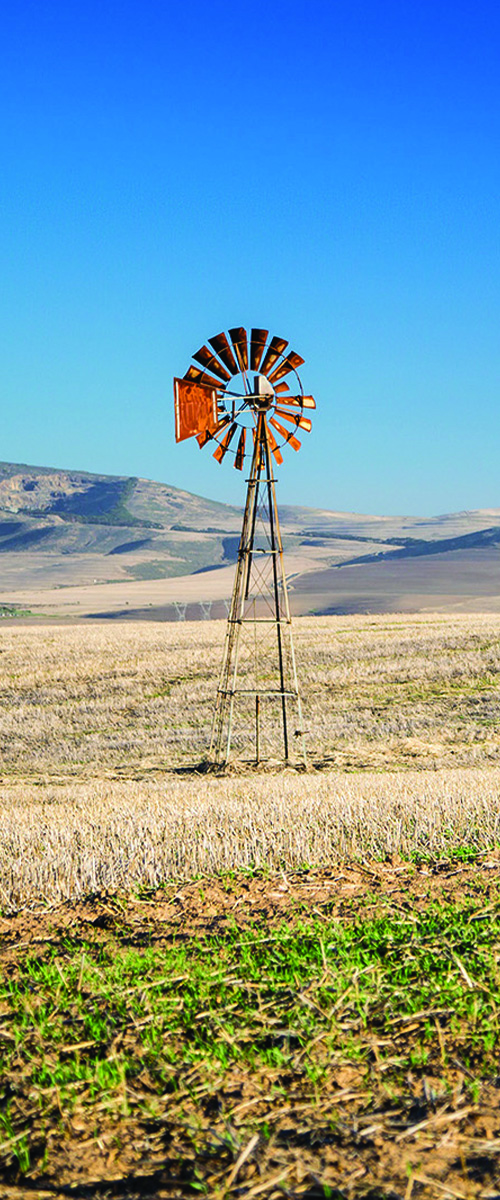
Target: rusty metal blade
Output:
[
  {"x": 239, "y": 339},
  {"x": 295, "y": 359},
  {"x": 292, "y": 361},
  {"x": 275, "y": 349},
  {"x": 223, "y": 349},
  {"x": 224, "y": 445},
  {"x": 240, "y": 453},
  {"x": 294, "y": 418},
  {"x": 292, "y": 441},
  {"x": 298, "y": 401},
  {"x": 198, "y": 376},
  {"x": 207, "y": 359},
  {"x": 282, "y": 387},
  {"x": 203, "y": 438},
  {"x": 274, "y": 445},
  {"x": 258, "y": 339}
]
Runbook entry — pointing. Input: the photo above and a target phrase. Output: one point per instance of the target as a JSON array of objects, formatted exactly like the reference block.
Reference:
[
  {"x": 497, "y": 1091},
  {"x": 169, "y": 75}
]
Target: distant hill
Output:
[
  {"x": 418, "y": 547},
  {"x": 104, "y": 499},
  {"x": 65, "y": 529},
  {"x": 74, "y": 522}
]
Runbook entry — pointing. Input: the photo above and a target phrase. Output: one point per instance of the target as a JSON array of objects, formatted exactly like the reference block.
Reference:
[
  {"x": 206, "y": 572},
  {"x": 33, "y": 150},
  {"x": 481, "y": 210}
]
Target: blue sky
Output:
[{"x": 327, "y": 170}]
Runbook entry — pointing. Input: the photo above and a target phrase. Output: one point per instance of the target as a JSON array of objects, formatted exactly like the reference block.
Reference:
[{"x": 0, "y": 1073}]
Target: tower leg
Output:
[
  {"x": 223, "y": 712},
  {"x": 276, "y": 549}
]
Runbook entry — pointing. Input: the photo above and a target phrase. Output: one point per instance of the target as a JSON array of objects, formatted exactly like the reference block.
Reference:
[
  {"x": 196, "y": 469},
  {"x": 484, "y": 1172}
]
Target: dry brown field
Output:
[
  {"x": 264, "y": 983},
  {"x": 103, "y": 731}
]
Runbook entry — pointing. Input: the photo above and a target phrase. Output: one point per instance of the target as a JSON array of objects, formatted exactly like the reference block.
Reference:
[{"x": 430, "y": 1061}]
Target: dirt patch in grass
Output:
[
  {"x": 207, "y": 906},
  {"x": 308, "y": 1034}
]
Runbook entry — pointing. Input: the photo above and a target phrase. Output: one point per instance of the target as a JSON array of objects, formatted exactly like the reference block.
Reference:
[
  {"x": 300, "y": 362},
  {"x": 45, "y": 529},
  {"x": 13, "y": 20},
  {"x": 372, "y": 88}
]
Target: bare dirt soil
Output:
[{"x": 370, "y": 1115}]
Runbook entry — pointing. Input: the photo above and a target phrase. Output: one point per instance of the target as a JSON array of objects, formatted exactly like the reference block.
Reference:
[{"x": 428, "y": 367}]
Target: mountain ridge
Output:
[
  {"x": 75, "y": 493},
  {"x": 67, "y": 529}
]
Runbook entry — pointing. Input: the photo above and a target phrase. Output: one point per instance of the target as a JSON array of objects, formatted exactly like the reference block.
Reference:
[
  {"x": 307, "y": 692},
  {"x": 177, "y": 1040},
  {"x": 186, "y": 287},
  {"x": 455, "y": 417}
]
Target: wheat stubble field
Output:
[{"x": 265, "y": 983}]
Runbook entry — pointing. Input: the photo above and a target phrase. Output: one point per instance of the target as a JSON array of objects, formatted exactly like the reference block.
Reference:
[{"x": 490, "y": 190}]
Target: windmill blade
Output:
[
  {"x": 258, "y": 339},
  {"x": 294, "y": 418},
  {"x": 240, "y": 453},
  {"x": 207, "y": 359},
  {"x": 223, "y": 349},
  {"x": 292, "y": 441},
  {"x": 198, "y": 376},
  {"x": 282, "y": 387},
  {"x": 203, "y": 438},
  {"x": 298, "y": 401},
  {"x": 274, "y": 351},
  {"x": 239, "y": 339},
  {"x": 224, "y": 446},
  {"x": 273, "y": 445},
  {"x": 292, "y": 361}
]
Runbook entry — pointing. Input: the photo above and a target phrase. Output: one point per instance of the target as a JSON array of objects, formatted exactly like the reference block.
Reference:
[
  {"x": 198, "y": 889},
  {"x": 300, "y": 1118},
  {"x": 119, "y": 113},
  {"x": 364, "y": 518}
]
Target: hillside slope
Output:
[
  {"x": 75, "y": 542},
  {"x": 62, "y": 528}
]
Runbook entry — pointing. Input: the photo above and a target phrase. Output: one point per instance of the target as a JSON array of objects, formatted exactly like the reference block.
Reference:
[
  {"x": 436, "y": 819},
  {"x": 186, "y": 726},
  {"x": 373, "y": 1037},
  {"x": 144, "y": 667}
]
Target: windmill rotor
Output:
[{"x": 233, "y": 377}]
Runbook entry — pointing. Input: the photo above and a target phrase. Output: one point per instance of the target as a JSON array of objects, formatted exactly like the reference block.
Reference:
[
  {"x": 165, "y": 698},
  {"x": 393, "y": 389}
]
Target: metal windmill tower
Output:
[{"x": 257, "y": 709}]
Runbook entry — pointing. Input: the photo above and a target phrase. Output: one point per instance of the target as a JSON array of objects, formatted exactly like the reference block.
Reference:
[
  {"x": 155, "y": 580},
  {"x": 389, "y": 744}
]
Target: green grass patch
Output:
[
  {"x": 13, "y": 610},
  {"x": 133, "y": 1031}
]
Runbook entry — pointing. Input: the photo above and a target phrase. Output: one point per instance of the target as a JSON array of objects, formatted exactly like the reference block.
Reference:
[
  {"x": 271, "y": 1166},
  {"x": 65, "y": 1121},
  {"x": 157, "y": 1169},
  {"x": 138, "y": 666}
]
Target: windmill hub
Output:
[{"x": 263, "y": 397}]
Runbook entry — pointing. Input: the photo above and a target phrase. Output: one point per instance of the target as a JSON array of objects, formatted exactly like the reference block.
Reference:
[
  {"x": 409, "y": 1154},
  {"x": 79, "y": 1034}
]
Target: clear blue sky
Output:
[{"x": 329, "y": 170}]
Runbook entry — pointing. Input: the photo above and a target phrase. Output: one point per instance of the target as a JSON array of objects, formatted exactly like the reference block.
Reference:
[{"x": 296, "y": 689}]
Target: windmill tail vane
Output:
[{"x": 245, "y": 395}]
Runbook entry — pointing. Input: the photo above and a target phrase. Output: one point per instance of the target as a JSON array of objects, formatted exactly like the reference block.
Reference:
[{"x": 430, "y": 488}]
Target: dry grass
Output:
[
  {"x": 378, "y": 692},
  {"x": 95, "y": 723},
  {"x": 92, "y": 838}
]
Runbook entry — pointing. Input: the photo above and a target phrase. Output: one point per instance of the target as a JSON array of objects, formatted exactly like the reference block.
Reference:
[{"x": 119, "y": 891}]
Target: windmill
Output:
[{"x": 245, "y": 395}]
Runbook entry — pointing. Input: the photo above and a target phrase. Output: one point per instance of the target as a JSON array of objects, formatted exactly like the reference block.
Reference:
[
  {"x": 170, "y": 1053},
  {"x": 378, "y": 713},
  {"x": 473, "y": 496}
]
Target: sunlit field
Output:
[
  {"x": 262, "y": 983},
  {"x": 104, "y": 731},
  {"x": 68, "y": 841},
  {"x": 378, "y": 692}
]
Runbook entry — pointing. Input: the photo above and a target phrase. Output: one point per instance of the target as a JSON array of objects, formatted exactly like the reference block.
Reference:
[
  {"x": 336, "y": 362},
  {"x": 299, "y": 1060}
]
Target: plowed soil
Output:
[{"x": 339, "y": 1123}]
